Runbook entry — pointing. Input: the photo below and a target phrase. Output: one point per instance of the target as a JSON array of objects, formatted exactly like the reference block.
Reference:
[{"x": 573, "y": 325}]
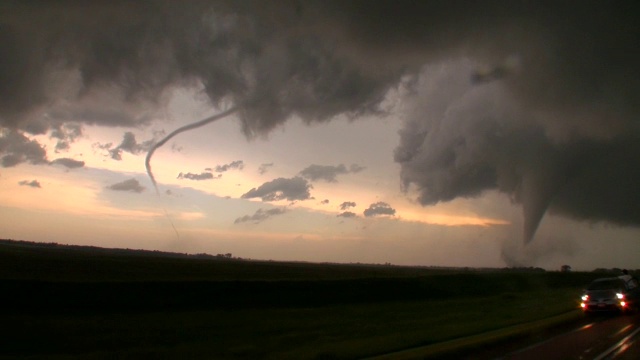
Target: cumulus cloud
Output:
[
  {"x": 32, "y": 183},
  {"x": 292, "y": 189},
  {"x": 68, "y": 163},
  {"x": 564, "y": 73},
  {"x": 260, "y": 215},
  {"x": 198, "y": 177},
  {"x": 347, "y": 204},
  {"x": 131, "y": 185},
  {"x": 324, "y": 202},
  {"x": 328, "y": 173},
  {"x": 347, "y": 214},
  {"x": 238, "y": 164},
  {"x": 378, "y": 209},
  {"x": 264, "y": 168}
]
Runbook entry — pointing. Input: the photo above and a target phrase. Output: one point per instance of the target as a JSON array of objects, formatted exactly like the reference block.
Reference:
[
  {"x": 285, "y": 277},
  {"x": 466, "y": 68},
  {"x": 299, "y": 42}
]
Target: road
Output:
[{"x": 595, "y": 338}]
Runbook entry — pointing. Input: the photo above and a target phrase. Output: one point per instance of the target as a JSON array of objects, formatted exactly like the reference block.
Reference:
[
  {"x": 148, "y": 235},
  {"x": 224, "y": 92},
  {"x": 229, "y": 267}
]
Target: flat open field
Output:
[{"x": 81, "y": 302}]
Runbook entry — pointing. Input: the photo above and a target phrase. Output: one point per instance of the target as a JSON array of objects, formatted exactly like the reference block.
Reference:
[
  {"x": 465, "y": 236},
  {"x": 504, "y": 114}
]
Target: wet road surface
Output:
[{"x": 596, "y": 337}]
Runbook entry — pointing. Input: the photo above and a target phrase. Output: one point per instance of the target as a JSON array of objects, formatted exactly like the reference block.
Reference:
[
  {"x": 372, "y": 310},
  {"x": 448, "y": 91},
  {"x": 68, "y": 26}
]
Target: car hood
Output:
[{"x": 602, "y": 294}]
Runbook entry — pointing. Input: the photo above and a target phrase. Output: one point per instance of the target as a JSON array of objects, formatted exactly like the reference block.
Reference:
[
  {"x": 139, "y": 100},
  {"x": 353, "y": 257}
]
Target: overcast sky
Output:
[{"x": 481, "y": 134}]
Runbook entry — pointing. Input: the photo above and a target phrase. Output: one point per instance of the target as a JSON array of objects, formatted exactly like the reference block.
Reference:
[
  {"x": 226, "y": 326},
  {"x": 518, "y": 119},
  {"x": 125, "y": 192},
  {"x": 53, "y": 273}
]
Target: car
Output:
[{"x": 611, "y": 294}]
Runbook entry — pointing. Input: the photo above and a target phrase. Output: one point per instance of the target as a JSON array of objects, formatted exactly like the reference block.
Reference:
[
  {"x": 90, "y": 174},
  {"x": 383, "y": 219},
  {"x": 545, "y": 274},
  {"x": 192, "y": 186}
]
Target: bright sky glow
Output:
[{"x": 450, "y": 234}]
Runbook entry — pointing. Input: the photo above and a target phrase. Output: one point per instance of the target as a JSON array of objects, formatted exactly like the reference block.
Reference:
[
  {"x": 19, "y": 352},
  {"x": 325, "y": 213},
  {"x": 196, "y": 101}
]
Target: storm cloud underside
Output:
[{"x": 557, "y": 131}]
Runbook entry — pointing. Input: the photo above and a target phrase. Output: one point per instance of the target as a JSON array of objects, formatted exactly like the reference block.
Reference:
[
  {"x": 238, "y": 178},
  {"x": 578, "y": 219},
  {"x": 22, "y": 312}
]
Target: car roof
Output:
[
  {"x": 607, "y": 279},
  {"x": 606, "y": 283}
]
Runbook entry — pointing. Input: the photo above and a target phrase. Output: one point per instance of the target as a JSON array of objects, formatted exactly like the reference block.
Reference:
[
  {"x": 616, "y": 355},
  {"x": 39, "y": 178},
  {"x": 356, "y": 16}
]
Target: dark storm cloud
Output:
[
  {"x": 315, "y": 59},
  {"x": 201, "y": 176},
  {"x": 328, "y": 173},
  {"x": 273, "y": 59},
  {"x": 98, "y": 116},
  {"x": 292, "y": 189},
  {"x": 347, "y": 204},
  {"x": 16, "y": 148},
  {"x": 32, "y": 183},
  {"x": 260, "y": 215},
  {"x": 378, "y": 209},
  {"x": 461, "y": 139},
  {"x": 264, "y": 168},
  {"x": 68, "y": 163},
  {"x": 347, "y": 214},
  {"x": 238, "y": 164},
  {"x": 131, "y": 185},
  {"x": 569, "y": 70}
]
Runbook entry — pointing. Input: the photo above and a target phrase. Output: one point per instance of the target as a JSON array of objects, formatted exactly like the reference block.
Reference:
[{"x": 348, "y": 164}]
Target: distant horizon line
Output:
[{"x": 230, "y": 257}]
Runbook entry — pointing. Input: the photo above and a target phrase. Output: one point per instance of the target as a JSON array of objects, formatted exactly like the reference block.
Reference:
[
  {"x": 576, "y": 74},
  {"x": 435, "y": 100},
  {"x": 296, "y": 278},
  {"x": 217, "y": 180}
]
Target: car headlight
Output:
[
  {"x": 585, "y": 297},
  {"x": 620, "y": 296}
]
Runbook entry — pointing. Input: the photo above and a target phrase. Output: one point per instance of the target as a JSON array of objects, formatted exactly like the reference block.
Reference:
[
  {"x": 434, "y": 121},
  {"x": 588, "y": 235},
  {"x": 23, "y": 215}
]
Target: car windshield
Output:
[{"x": 606, "y": 285}]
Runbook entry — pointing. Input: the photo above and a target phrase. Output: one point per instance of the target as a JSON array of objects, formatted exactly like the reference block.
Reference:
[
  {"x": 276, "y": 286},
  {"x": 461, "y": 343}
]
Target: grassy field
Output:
[{"x": 89, "y": 303}]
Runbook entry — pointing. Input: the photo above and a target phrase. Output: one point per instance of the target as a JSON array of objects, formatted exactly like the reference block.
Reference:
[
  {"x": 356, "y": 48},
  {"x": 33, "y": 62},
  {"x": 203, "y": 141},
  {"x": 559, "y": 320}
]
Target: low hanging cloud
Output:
[
  {"x": 32, "y": 183},
  {"x": 130, "y": 144},
  {"x": 264, "y": 168},
  {"x": 379, "y": 209},
  {"x": 238, "y": 165},
  {"x": 328, "y": 173},
  {"x": 131, "y": 185},
  {"x": 199, "y": 177},
  {"x": 347, "y": 204},
  {"x": 16, "y": 148},
  {"x": 68, "y": 163},
  {"x": 347, "y": 214},
  {"x": 65, "y": 134},
  {"x": 260, "y": 215},
  {"x": 292, "y": 189}
]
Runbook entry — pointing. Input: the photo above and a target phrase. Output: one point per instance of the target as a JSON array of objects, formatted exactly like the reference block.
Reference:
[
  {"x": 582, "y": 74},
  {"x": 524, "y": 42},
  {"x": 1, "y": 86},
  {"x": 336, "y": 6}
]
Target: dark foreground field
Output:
[{"x": 81, "y": 302}]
